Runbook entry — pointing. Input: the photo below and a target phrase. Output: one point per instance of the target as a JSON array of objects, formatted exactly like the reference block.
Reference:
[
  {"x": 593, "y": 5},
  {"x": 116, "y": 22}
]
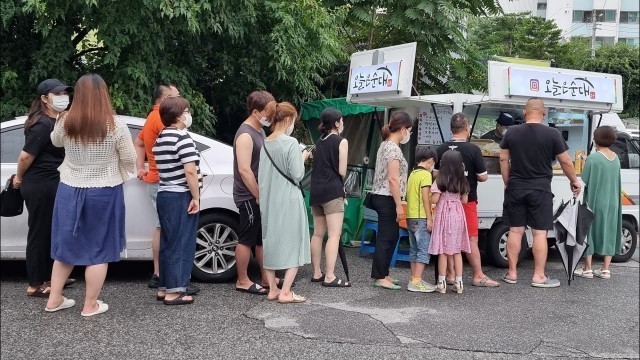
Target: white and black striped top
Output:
[{"x": 172, "y": 150}]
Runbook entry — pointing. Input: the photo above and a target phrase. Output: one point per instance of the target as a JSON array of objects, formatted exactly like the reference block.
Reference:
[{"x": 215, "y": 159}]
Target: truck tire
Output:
[
  {"x": 629, "y": 242},
  {"x": 496, "y": 245},
  {"x": 216, "y": 242}
]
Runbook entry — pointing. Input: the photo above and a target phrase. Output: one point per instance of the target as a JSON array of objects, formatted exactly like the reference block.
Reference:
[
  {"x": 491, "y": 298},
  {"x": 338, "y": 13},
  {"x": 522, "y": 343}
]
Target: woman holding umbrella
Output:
[
  {"x": 327, "y": 196},
  {"x": 601, "y": 174}
]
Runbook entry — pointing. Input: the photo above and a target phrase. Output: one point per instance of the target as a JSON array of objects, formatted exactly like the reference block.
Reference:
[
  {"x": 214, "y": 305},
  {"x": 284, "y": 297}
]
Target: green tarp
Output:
[{"x": 313, "y": 109}]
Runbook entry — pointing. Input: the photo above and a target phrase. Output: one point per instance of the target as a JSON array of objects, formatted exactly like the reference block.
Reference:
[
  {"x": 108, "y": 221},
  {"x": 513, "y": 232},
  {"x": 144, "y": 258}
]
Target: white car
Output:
[{"x": 217, "y": 233}]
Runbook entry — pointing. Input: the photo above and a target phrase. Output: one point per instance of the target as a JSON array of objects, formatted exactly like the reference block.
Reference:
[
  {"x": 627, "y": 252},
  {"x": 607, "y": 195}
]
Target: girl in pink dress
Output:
[{"x": 449, "y": 237}]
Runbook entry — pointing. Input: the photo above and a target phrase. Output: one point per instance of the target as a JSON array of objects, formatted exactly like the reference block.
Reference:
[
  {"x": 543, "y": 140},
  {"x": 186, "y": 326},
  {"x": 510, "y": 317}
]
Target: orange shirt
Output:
[{"x": 150, "y": 131}]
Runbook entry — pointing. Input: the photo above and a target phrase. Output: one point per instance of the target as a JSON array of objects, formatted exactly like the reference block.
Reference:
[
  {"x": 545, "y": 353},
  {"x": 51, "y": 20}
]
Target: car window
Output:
[
  {"x": 634, "y": 156},
  {"x": 12, "y": 141},
  {"x": 135, "y": 130}
]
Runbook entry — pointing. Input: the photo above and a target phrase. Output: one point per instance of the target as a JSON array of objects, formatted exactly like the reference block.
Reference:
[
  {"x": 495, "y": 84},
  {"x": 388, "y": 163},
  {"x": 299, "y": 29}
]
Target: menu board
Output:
[{"x": 428, "y": 133}]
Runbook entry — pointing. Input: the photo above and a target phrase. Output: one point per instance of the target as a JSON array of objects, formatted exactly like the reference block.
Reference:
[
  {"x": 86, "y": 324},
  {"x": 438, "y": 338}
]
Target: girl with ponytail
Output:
[{"x": 389, "y": 187}]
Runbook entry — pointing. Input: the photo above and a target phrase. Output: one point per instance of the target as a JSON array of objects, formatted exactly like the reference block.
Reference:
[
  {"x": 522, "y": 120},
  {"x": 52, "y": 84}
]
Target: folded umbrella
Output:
[
  {"x": 343, "y": 259},
  {"x": 572, "y": 221}
]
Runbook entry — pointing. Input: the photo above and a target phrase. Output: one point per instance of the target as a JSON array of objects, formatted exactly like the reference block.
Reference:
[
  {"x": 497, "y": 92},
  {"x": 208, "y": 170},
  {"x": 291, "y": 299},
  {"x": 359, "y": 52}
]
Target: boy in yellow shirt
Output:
[{"x": 420, "y": 218}]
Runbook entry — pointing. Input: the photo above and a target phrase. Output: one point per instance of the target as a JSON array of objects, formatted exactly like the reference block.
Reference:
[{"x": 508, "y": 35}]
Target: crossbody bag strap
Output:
[{"x": 280, "y": 171}]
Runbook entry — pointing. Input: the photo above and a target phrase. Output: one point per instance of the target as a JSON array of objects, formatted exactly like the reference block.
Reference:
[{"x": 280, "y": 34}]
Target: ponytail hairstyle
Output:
[
  {"x": 451, "y": 176},
  {"x": 398, "y": 121},
  {"x": 328, "y": 120},
  {"x": 278, "y": 112}
]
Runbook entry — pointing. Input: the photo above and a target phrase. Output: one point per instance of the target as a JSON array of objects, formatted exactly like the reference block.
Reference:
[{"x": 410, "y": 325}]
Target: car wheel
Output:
[
  {"x": 496, "y": 246},
  {"x": 217, "y": 238},
  {"x": 629, "y": 242}
]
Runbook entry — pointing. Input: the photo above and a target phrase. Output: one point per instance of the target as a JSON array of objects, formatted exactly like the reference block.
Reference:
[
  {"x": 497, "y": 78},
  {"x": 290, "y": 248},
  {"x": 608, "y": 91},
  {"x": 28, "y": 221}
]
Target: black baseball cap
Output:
[
  {"x": 505, "y": 119},
  {"x": 52, "y": 86}
]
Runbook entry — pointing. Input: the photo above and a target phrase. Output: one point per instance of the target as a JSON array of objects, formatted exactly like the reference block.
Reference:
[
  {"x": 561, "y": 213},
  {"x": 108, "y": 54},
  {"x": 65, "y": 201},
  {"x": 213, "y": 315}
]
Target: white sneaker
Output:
[
  {"x": 603, "y": 274},
  {"x": 457, "y": 287},
  {"x": 587, "y": 274},
  {"x": 441, "y": 287},
  {"x": 66, "y": 303}
]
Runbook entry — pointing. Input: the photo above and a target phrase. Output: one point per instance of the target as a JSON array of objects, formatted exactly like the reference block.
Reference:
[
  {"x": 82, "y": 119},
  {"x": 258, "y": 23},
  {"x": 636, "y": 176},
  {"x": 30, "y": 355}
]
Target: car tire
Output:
[
  {"x": 216, "y": 243},
  {"x": 629, "y": 242},
  {"x": 496, "y": 245}
]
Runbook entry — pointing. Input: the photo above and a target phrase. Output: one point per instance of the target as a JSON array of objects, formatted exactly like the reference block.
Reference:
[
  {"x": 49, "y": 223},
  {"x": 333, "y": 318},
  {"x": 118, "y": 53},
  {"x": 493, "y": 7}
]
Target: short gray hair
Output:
[{"x": 459, "y": 122}]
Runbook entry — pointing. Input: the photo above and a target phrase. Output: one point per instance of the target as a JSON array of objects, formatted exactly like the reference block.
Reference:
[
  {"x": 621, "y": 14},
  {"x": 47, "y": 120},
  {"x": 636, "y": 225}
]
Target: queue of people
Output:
[{"x": 74, "y": 163}]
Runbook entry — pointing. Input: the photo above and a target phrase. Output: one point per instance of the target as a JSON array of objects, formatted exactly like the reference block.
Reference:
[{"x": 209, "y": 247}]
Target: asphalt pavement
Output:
[{"x": 589, "y": 319}]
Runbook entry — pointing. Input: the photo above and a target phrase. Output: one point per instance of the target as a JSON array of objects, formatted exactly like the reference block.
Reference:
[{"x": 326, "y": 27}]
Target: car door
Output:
[{"x": 13, "y": 229}]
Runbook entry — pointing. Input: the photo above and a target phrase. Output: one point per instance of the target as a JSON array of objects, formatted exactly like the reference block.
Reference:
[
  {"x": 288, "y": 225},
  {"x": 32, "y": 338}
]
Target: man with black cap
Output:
[{"x": 503, "y": 122}]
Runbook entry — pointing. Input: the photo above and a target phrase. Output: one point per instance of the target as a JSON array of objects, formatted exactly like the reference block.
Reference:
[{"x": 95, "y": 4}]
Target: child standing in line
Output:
[
  {"x": 449, "y": 237},
  {"x": 419, "y": 218}
]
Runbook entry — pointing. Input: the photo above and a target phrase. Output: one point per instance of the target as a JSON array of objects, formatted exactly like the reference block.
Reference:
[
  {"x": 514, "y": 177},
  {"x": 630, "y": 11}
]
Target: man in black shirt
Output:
[
  {"x": 503, "y": 122},
  {"x": 476, "y": 171},
  {"x": 528, "y": 151}
]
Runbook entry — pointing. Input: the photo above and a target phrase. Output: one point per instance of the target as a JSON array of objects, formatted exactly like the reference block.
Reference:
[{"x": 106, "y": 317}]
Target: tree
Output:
[{"x": 215, "y": 51}]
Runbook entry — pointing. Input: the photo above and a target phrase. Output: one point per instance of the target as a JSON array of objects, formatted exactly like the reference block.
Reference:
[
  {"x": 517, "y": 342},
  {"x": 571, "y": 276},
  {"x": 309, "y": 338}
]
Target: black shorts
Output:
[
  {"x": 250, "y": 232},
  {"x": 533, "y": 208}
]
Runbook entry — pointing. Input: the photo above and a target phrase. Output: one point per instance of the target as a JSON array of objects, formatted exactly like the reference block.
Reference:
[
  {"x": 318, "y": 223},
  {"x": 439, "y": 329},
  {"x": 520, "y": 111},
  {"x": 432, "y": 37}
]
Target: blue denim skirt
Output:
[{"x": 88, "y": 225}]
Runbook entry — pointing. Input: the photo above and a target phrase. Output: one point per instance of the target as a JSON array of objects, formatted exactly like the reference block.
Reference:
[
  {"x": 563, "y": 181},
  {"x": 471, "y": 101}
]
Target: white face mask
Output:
[
  {"x": 406, "y": 138},
  {"x": 188, "y": 120},
  {"x": 264, "y": 121},
  {"x": 59, "y": 102},
  {"x": 290, "y": 128}
]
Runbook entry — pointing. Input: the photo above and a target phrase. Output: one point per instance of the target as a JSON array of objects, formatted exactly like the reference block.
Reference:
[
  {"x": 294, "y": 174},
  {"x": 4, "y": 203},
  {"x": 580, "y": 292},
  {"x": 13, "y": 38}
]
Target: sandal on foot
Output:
[
  {"x": 160, "y": 297},
  {"x": 296, "y": 299},
  {"x": 587, "y": 274},
  {"x": 180, "y": 300},
  {"x": 41, "y": 292},
  {"x": 547, "y": 283},
  {"x": 102, "y": 307},
  {"x": 315, "y": 280},
  {"x": 254, "y": 289},
  {"x": 509, "y": 281},
  {"x": 450, "y": 281},
  {"x": 336, "y": 283},
  {"x": 602, "y": 274},
  {"x": 486, "y": 282},
  {"x": 66, "y": 303}
]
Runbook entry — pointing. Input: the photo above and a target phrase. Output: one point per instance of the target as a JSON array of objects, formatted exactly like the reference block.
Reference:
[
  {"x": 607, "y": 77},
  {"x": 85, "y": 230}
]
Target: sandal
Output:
[
  {"x": 254, "y": 289},
  {"x": 102, "y": 307},
  {"x": 587, "y": 274},
  {"x": 315, "y": 280},
  {"x": 486, "y": 282},
  {"x": 296, "y": 299},
  {"x": 179, "y": 300},
  {"x": 42, "y": 291},
  {"x": 602, "y": 274},
  {"x": 509, "y": 281},
  {"x": 336, "y": 283}
]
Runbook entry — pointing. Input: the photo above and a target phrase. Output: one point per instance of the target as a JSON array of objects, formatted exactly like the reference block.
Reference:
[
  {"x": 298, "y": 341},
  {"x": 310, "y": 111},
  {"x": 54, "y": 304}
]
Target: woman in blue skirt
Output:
[{"x": 88, "y": 217}]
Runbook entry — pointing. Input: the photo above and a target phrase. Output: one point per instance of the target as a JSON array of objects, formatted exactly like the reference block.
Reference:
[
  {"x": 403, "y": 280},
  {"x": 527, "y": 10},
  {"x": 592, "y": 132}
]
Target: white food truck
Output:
[{"x": 577, "y": 102}]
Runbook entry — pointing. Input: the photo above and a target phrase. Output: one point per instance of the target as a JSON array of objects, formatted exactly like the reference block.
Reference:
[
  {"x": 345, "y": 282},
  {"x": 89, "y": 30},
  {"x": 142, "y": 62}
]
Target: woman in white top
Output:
[
  {"x": 389, "y": 187},
  {"x": 88, "y": 217}
]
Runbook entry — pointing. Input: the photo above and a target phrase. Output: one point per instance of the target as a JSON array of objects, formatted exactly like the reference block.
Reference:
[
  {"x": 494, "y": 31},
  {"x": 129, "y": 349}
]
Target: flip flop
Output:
[
  {"x": 296, "y": 299},
  {"x": 336, "y": 283},
  {"x": 509, "y": 281},
  {"x": 66, "y": 303},
  {"x": 254, "y": 289},
  {"x": 548, "y": 283},
  {"x": 102, "y": 307},
  {"x": 315, "y": 280},
  {"x": 42, "y": 291},
  {"x": 179, "y": 300},
  {"x": 485, "y": 283}
]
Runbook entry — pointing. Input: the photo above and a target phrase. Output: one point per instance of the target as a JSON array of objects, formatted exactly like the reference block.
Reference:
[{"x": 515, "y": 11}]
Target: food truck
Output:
[{"x": 576, "y": 102}]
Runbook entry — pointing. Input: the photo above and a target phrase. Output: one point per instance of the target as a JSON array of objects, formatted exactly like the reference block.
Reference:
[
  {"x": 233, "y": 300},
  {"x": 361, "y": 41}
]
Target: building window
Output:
[
  {"x": 628, "y": 17},
  {"x": 542, "y": 5},
  {"x": 581, "y": 16},
  {"x": 606, "y": 15},
  {"x": 605, "y": 40},
  {"x": 629, "y": 41}
]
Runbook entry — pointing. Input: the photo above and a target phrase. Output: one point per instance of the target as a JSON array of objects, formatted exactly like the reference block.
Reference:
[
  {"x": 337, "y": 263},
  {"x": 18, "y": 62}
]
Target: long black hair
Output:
[
  {"x": 37, "y": 110},
  {"x": 451, "y": 176},
  {"x": 328, "y": 120}
]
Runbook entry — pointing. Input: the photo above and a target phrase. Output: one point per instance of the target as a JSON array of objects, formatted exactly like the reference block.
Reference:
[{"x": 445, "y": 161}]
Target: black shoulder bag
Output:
[
  {"x": 281, "y": 172},
  {"x": 11, "y": 200}
]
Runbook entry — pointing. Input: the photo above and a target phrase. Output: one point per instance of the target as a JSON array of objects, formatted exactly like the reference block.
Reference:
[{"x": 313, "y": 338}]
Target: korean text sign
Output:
[
  {"x": 374, "y": 78},
  {"x": 553, "y": 85}
]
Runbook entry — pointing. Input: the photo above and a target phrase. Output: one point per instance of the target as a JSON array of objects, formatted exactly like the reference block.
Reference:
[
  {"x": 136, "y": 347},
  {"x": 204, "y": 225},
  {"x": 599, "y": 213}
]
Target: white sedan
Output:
[{"x": 217, "y": 233}]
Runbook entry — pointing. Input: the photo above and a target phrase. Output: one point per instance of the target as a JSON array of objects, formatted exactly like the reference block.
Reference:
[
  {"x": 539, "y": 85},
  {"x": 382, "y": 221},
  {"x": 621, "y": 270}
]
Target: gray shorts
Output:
[{"x": 152, "y": 190}]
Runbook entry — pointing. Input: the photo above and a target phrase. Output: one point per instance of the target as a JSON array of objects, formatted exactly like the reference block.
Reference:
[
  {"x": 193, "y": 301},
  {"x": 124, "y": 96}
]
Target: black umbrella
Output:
[
  {"x": 572, "y": 221},
  {"x": 343, "y": 259}
]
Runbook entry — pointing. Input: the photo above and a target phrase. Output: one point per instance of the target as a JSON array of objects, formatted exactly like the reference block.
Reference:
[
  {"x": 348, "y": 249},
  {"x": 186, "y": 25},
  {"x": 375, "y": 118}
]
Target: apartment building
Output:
[{"x": 615, "y": 20}]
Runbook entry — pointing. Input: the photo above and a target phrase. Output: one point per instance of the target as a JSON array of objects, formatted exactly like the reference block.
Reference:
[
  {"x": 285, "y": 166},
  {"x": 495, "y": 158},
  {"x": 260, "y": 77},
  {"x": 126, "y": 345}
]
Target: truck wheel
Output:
[
  {"x": 496, "y": 246},
  {"x": 215, "y": 259},
  {"x": 629, "y": 242}
]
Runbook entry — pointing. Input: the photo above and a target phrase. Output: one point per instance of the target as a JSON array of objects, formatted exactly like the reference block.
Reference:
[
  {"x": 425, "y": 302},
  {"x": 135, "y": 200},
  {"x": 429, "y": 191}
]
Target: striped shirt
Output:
[{"x": 172, "y": 150}]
